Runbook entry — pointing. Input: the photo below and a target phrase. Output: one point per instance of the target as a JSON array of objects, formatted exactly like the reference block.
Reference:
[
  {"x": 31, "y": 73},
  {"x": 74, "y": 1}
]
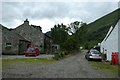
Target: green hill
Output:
[
  {"x": 96, "y": 31},
  {"x": 91, "y": 34}
]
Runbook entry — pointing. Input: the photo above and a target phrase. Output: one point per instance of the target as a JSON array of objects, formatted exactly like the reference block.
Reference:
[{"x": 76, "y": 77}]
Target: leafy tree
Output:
[
  {"x": 70, "y": 44},
  {"x": 80, "y": 35},
  {"x": 75, "y": 26},
  {"x": 59, "y": 34}
]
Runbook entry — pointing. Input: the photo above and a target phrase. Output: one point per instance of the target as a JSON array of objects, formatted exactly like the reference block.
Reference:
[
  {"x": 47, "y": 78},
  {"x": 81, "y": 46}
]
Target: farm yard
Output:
[
  {"x": 64, "y": 40},
  {"x": 71, "y": 67}
]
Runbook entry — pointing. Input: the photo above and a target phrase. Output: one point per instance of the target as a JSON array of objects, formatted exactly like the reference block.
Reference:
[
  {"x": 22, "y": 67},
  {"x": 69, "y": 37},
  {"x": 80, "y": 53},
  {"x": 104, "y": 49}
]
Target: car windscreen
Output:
[
  {"x": 95, "y": 52},
  {"x": 30, "y": 49}
]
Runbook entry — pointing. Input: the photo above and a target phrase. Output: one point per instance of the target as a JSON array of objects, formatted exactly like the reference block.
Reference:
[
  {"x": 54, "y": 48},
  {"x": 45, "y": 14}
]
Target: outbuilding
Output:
[
  {"x": 111, "y": 41},
  {"x": 12, "y": 43}
]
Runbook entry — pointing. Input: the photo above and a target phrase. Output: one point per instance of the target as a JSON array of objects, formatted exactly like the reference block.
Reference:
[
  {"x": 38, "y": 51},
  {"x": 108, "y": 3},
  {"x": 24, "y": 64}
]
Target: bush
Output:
[
  {"x": 70, "y": 44},
  {"x": 66, "y": 53},
  {"x": 63, "y": 54},
  {"x": 59, "y": 55}
]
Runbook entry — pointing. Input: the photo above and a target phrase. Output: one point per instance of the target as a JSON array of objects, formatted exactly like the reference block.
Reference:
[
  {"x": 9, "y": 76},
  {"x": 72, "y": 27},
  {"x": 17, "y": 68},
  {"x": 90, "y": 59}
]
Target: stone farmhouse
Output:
[
  {"x": 11, "y": 41},
  {"x": 47, "y": 42},
  {"x": 31, "y": 33},
  {"x": 16, "y": 41}
]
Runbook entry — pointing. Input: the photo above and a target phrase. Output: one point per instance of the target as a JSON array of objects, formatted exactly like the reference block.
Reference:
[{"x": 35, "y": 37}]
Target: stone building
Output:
[
  {"x": 47, "y": 43},
  {"x": 16, "y": 41},
  {"x": 31, "y": 33},
  {"x": 12, "y": 43}
]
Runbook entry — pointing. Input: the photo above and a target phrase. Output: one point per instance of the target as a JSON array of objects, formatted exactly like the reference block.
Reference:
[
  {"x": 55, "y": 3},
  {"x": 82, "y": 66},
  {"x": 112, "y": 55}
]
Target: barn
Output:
[
  {"x": 12, "y": 43},
  {"x": 111, "y": 42}
]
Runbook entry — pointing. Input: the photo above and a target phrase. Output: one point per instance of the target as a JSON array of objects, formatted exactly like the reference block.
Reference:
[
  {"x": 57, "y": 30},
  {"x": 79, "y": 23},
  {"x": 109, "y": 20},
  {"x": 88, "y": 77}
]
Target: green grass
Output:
[
  {"x": 105, "y": 67},
  {"x": 0, "y": 63},
  {"x": 29, "y": 60},
  {"x": 15, "y": 63}
]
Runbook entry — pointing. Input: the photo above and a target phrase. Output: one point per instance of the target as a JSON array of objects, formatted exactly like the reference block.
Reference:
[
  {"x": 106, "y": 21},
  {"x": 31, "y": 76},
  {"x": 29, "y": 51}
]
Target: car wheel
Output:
[
  {"x": 35, "y": 55},
  {"x": 100, "y": 60},
  {"x": 85, "y": 57},
  {"x": 88, "y": 59}
]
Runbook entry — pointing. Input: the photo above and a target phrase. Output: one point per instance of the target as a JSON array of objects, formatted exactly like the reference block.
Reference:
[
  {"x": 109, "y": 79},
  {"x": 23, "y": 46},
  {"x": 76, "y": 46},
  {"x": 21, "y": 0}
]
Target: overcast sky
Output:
[{"x": 47, "y": 14}]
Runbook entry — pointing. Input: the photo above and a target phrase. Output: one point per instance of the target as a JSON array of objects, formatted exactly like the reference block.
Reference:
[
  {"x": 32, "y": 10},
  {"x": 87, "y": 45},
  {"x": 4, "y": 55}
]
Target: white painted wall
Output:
[
  {"x": 0, "y": 41},
  {"x": 111, "y": 44},
  {"x": 119, "y": 39}
]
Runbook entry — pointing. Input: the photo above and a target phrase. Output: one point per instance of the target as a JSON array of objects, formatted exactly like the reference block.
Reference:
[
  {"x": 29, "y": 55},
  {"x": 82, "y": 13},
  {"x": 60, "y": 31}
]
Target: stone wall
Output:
[
  {"x": 25, "y": 33},
  {"x": 10, "y": 41},
  {"x": 31, "y": 33},
  {"x": 47, "y": 43}
]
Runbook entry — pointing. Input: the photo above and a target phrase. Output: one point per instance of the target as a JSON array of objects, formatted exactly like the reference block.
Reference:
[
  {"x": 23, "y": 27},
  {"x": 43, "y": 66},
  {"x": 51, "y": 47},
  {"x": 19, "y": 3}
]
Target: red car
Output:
[{"x": 32, "y": 51}]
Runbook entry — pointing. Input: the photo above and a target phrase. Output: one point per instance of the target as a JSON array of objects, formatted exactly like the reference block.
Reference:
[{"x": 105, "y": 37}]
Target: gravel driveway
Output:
[{"x": 72, "y": 67}]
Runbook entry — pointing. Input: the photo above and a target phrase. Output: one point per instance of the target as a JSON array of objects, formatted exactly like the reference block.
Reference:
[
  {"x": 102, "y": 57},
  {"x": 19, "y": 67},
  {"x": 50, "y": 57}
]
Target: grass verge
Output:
[
  {"x": 105, "y": 67},
  {"x": 13, "y": 63},
  {"x": 110, "y": 70},
  {"x": 27, "y": 60},
  {"x": 0, "y": 65}
]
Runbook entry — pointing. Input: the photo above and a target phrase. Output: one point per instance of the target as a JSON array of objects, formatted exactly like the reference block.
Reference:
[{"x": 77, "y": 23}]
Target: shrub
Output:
[
  {"x": 59, "y": 55},
  {"x": 56, "y": 56}
]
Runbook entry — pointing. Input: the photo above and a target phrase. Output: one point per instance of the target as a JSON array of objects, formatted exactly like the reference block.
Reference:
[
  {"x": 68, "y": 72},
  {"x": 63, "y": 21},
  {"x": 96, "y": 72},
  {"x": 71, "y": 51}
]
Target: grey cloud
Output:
[
  {"x": 84, "y": 11},
  {"x": 43, "y": 10},
  {"x": 51, "y": 10},
  {"x": 11, "y": 11},
  {"x": 90, "y": 11}
]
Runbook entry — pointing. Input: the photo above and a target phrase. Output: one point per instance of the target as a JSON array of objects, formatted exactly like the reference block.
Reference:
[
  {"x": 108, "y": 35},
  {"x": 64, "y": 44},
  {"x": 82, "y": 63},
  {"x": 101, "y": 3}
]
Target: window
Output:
[{"x": 8, "y": 46}]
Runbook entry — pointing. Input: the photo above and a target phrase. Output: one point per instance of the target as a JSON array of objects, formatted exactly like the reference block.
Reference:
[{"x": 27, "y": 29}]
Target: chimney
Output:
[{"x": 26, "y": 22}]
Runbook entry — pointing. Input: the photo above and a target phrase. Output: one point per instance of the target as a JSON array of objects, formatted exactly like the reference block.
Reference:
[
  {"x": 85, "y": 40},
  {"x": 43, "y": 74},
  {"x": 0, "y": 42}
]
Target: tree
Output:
[
  {"x": 70, "y": 44},
  {"x": 80, "y": 33},
  {"x": 75, "y": 26},
  {"x": 59, "y": 34}
]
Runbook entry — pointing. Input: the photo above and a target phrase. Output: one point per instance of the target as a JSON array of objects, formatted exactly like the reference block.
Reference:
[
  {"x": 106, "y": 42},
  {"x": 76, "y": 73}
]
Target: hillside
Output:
[
  {"x": 91, "y": 34},
  {"x": 97, "y": 30}
]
